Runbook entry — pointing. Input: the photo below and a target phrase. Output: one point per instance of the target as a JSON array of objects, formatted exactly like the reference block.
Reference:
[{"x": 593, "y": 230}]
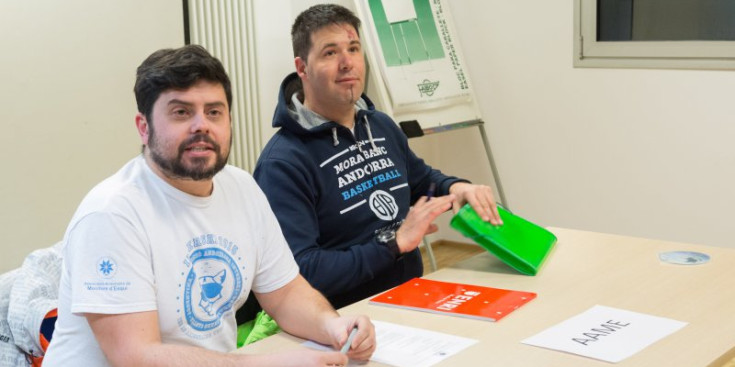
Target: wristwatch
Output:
[{"x": 388, "y": 238}]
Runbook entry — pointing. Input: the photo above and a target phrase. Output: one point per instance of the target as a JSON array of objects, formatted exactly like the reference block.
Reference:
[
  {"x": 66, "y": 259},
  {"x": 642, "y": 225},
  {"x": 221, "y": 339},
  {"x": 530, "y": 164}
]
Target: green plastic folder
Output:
[{"x": 519, "y": 243}]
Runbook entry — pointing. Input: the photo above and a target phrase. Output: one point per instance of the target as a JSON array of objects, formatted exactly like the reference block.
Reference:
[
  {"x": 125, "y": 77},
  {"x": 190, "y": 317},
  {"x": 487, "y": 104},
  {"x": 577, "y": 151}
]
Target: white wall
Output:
[
  {"x": 68, "y": 69},
  {"x": 638, "y": 152}
]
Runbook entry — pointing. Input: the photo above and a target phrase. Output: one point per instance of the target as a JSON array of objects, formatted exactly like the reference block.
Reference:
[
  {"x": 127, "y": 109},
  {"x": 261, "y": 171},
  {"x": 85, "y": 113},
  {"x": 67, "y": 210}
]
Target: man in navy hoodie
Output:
[{"x": 347, "y": 190}]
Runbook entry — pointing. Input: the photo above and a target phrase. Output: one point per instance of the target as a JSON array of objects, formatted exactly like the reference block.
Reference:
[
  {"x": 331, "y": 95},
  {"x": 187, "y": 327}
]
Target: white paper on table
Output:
[
  {"x": 605, "y": 333},
  {"x": 404, "y": 346}
]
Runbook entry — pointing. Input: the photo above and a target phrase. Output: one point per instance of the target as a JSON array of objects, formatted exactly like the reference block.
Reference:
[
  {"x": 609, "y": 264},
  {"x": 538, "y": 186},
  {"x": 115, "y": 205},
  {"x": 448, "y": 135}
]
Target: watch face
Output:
[{"x": 386, "y": 236}]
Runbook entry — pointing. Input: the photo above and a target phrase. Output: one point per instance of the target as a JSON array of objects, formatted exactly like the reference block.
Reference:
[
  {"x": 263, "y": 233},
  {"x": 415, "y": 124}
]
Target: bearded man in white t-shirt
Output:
[{"x": 159, "y": 256}]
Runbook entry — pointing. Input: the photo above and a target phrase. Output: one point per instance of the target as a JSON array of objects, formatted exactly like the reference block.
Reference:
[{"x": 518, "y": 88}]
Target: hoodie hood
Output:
[{"x": 293, "y": 116}]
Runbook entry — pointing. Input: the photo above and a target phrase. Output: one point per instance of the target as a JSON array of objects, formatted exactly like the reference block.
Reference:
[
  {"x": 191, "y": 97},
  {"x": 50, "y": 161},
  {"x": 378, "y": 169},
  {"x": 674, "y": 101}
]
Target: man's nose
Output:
[
  {"x": 346, "y": 62},
  {"x": 200, "y": 123}
]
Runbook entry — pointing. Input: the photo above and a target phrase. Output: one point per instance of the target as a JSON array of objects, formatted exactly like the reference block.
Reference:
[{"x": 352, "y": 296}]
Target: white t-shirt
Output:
[{"x": 138, "y": 244}]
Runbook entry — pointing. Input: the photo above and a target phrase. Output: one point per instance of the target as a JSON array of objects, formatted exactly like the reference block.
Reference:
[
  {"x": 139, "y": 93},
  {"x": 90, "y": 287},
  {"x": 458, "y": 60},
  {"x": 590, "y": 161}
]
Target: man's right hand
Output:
[{"x": 419, "y": 221}]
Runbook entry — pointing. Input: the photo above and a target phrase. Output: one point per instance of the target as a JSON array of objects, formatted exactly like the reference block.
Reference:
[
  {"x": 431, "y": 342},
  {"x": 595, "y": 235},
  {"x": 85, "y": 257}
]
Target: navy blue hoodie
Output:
[{"x": 333, "y": 192}]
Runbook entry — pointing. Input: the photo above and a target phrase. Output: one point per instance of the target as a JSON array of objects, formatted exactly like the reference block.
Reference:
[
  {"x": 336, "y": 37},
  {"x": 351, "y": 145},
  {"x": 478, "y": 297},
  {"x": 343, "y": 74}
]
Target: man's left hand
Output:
[{"x": 480, "y": 197}]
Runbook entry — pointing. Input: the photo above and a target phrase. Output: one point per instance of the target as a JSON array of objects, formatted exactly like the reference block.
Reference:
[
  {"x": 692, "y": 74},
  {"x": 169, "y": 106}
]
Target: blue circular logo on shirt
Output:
[
  {"x": 106, "y": 267},
  {"x": 212, "y": 286}
]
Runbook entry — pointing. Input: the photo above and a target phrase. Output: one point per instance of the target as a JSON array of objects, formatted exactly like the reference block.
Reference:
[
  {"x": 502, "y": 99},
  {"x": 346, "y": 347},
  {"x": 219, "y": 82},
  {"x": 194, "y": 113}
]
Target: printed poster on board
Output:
[{"x": 417, "y": 52}]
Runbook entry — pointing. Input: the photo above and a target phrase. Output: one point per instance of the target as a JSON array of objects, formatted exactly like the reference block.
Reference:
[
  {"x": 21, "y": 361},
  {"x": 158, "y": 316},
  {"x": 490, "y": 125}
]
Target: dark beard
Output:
[{"x": 174, "y": 168}]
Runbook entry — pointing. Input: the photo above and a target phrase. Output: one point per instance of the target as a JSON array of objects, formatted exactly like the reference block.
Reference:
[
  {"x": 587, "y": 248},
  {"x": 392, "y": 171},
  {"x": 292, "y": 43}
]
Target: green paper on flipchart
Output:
[{"x": 521, "y": 244}]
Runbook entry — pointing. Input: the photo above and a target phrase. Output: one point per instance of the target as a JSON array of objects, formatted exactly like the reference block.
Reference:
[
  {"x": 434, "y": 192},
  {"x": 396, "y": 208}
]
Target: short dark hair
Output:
[
  {"x": 316, "y": 18},
  {"x": 178, "y": 68}
]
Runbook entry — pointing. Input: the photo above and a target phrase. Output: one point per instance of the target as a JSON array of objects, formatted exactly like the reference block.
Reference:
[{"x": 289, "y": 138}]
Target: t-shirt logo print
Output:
[
  {"x": 383, "y": 205},
  {"x": 211, "y": 290}
]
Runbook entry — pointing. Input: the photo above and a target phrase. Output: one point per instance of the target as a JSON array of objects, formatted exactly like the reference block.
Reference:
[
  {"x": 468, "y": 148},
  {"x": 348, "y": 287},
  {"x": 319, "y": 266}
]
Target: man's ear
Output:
[
  {"x": 141, "y": 123},
  {"x": 300, "y": 67}
]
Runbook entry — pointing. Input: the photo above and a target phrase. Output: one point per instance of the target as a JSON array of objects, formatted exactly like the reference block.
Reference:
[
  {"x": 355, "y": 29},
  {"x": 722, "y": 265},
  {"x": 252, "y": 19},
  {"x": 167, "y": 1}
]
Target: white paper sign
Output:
[{"x": 605, "y": 333}]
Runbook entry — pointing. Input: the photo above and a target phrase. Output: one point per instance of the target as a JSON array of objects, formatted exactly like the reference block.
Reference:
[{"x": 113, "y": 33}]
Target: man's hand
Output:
[
  {"x": 419, "y": 221},
  {"x": 480, "y": 197},
  {"x": 363, "y": 343}
]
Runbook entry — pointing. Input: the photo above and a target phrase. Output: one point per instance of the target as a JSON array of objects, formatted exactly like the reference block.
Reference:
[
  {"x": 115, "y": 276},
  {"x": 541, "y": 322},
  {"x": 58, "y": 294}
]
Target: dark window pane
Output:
[
  {"x": 666, "y": 20},
  {"x": 614, "y": 20}
]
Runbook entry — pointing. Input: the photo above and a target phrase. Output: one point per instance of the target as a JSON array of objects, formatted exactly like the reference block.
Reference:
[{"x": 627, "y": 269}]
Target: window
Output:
[{"x": 693, "y": 34}]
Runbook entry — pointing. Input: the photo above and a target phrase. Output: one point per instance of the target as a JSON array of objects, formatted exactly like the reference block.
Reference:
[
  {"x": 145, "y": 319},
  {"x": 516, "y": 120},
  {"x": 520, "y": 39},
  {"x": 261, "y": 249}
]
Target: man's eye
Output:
[{"x": 180, "y": 112}]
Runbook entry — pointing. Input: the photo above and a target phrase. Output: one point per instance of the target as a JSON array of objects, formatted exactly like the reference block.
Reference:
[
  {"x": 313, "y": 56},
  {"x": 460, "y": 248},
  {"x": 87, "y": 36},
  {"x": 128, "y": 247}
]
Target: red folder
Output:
[{"x": 464, "y": 300}]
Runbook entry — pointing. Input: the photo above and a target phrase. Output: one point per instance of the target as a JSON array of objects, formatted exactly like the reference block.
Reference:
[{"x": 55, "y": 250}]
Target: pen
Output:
[
  {"x": 430, "y": 191},
  {"x": 348, "y": 343}
]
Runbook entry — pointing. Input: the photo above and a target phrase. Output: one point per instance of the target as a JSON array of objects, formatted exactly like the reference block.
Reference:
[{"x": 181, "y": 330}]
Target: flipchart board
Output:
[{"x": 416, "y": 69}]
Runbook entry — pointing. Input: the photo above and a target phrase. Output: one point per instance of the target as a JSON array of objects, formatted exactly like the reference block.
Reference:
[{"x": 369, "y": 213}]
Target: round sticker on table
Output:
[{"x": 683, "y": 257}]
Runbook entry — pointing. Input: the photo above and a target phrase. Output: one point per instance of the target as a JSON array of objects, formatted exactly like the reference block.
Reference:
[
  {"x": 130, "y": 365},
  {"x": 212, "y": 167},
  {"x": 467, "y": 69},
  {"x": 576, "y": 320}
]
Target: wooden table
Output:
[{"x": 584, "y": 269}]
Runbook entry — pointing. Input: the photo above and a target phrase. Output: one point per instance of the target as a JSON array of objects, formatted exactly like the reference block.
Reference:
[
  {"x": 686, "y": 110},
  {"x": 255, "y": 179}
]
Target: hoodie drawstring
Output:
[
  {"x": 370, "y": 133},
  {"x": 335, "y": 140},
  {"x": 334, "y": 136}
]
